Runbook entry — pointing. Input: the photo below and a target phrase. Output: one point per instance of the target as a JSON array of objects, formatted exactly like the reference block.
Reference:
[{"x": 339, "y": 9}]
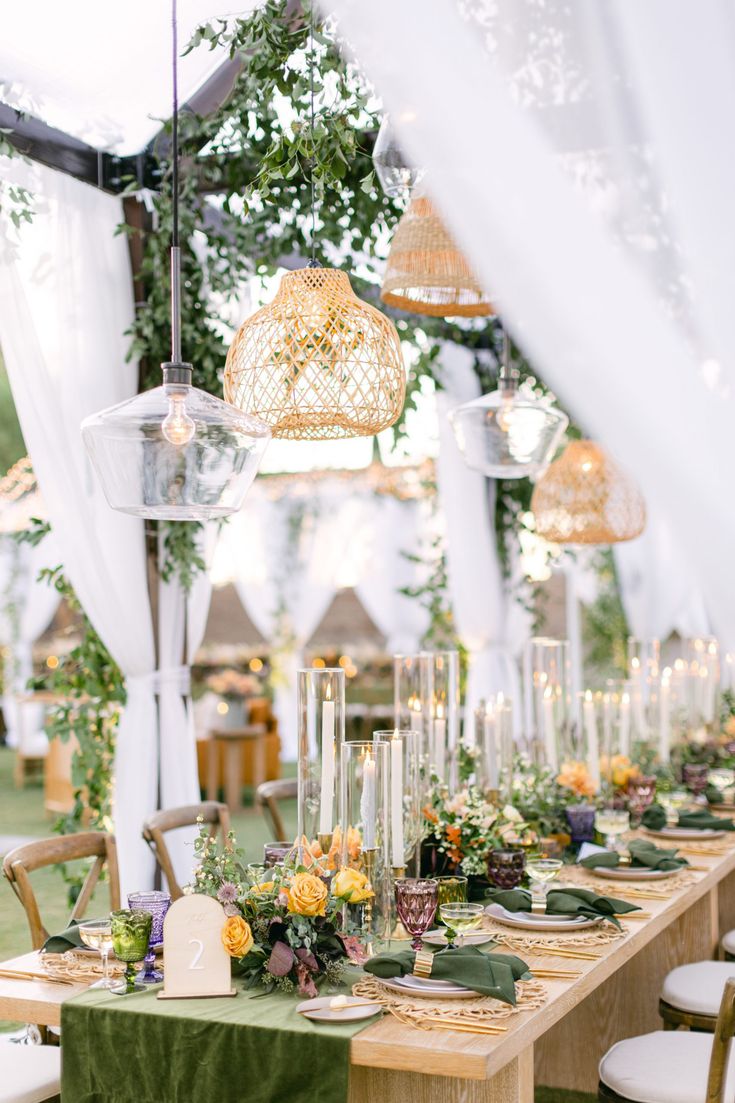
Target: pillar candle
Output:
[
  {"x": 396, "y": 801},
  {"x": 326, "y": 806},
  {"x": 549, "y": 729},
  {"x": 367, "y": 804},
  {"x": 593, "y": 748},
  {"x": 664, "y": 739},
  {"x": 625, "y": 724}
]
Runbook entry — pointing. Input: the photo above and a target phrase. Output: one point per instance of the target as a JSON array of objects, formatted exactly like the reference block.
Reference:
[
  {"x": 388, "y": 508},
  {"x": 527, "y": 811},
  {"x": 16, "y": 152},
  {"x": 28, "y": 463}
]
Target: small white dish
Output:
[
  {"x": 626, "y": 873},
  {"x": 686, "y": 833},
  {"x": 472, "y": 938},
  {"x": 526, "y": 921},
  {"x": 429, "y": 989},
  {"x": 320, "y": 1010}
]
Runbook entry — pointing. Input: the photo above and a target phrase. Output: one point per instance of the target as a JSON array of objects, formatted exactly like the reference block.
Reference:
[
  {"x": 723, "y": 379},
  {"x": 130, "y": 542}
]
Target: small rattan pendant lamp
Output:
[
  {"x": 585, "y": 498},
  {"x": 317, "y": 363},
  {"x": 426, "y": 273}
]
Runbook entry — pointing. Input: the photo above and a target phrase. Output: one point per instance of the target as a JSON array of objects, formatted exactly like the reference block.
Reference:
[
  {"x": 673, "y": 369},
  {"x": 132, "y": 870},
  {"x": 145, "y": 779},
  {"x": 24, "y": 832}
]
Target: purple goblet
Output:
[
  {"x": 581, "y": 820},
  {"x": 157, "y": 904},
  {"x": 416, "y": 901},
  {"x": 695, "y": 776},
  {"x": 505, "y": 867},
  {"x": 641, "y": 794}
]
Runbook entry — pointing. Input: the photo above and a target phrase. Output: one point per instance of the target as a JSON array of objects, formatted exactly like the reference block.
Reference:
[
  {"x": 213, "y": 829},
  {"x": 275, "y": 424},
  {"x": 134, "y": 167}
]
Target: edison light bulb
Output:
[
  {"x": 177, "y": 426},
  {"x": 505, "y": 414}
]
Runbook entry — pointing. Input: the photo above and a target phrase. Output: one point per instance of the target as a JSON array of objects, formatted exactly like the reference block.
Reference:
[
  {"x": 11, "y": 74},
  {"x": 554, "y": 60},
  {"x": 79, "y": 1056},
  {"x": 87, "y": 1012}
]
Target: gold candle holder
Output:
[
  {"x": 369, "y": 858},
  {"x": 399, "y": 932}
]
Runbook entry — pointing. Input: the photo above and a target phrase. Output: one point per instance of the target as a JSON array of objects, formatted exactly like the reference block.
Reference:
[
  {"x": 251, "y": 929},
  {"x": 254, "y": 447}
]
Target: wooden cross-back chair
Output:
[
  {"x": 267, "y": 797},
  {"x": 211, "y": 812},
  {"x": 22, "y": 861},
  {"x": 694, "y": 1060}
]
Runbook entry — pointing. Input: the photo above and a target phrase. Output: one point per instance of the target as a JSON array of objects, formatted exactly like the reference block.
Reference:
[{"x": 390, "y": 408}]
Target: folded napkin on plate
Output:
[
  {"x": 70, "y": 939},
  {"x": 702, "y": 820},
  {"x": 644, "y": 855},
  {"x": 489, "y": 974},
  {"x": 565, "y": 901}
]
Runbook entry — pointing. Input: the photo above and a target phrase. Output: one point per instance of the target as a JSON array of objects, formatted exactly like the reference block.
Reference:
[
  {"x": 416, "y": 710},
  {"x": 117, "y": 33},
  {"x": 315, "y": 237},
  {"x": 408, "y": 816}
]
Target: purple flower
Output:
[{"x": 227, "y": 893}]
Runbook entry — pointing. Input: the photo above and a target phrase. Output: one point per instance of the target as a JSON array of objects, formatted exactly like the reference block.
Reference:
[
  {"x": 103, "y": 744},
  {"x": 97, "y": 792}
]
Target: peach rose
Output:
[
  {"x": 237, "y": 937},
  {"x": 307, "y": 895}
]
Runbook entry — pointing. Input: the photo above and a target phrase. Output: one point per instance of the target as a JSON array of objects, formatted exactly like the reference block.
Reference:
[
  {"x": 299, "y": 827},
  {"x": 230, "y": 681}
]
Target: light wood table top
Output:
[{"x": 389, "y": 1044}]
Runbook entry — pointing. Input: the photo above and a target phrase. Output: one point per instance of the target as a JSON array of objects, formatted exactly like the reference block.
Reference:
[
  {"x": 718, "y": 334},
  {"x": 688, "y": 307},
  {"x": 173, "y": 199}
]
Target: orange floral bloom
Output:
[
  {"x": 620, "y": 768},
  {"x": 454, "y": 835},
  {"x": 576, "y": 776}
]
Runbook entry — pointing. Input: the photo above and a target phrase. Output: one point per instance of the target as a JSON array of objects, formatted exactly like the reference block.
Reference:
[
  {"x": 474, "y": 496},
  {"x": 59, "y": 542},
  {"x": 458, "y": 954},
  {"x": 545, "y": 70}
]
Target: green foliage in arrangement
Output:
[{"x": 605, "y": 625}]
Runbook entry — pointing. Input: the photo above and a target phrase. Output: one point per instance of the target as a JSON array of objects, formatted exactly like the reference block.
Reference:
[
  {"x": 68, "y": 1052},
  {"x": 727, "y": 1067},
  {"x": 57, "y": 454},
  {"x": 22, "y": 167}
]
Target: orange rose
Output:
[
  {"x": 237, "y": 938},
  {"x": 307, "y": 895}
]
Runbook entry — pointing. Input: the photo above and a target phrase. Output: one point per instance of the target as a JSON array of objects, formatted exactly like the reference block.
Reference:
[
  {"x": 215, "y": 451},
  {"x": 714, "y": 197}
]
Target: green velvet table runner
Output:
[{"x": 138, "y": 1049}]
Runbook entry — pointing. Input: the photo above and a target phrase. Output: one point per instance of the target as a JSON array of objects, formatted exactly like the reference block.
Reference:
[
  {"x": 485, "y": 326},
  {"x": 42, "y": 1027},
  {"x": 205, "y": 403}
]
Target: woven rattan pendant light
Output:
[
  {"x": 426, "y": 273},
  {"x": 317, "y": 363},
  {"x": 585, "y": 498}
]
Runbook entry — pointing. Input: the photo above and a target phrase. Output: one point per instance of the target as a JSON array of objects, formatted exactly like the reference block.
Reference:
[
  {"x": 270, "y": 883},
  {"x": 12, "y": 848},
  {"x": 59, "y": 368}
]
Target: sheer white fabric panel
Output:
[
  {"x": 65, "y": 303},
  {"x": 592, "y": 189}
]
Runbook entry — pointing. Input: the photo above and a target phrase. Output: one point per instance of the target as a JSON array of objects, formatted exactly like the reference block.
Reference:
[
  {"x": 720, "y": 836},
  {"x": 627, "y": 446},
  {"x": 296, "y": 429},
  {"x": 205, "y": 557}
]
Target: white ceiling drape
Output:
[{"x": 591, "y": 185}]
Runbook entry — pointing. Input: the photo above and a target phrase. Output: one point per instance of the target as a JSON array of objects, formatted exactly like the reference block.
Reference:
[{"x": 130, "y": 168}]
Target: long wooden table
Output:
[{"x": 615, "y": 997}]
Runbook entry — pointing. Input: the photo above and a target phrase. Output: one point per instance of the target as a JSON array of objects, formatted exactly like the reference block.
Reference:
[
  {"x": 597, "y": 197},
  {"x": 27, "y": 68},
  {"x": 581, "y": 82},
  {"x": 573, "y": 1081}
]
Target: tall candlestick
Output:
[
  {"x": 398, "y": 857},
  {"x": 625, "y": 723},
  {"x": 491, "y": 746},
  {"x": 440, "y": 741},
  {"x": 367, "y": 804},
  {"x": 636, "y": 675},
  {"x": 664, "y": 737},
  {"x": 549, "y": 729},
  {"x": 326, "y": 805},
  {"x": 593, "y": 748}
]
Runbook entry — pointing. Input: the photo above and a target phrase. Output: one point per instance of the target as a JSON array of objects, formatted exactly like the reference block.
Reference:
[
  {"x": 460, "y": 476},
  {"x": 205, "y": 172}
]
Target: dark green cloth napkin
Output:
[
  {"x": 566, "y": 901},
  {"x": 701, "y": 820},
  {"x": 69, "y": 939},
  {"x": 644, "y": 855},
  {"x": 138, "y": 1049},
  {"x": 489, "y": 974}
]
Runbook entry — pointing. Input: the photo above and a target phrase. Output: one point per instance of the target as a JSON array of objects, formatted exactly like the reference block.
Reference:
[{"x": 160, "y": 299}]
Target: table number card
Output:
[{"x": 195, "y": 963}]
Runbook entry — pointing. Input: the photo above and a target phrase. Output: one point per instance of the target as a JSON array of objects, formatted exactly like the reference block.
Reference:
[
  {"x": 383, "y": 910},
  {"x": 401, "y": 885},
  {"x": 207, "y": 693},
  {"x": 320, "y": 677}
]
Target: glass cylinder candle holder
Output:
[
  {"x": 547, "y": 699},
  {"x": 703, "y": 657},
  {"x": 644, "y": 675},
  {"x": 404, "y": 796},
  {"x": 444, "y": 715},
  {"x": 321, "y": 716},
  {"x": 589, "y": 743},
  {"x": 494, "y": 748},
  {"x": 365, "y": 842}
]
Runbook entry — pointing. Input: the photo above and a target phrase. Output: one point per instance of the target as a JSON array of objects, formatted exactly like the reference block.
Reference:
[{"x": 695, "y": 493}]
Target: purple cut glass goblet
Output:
[
  {"x": 416, "y": 901},
  {"x": 641, "y": 794},
  {"x": 275, "y": 853},
  {"x": 581, "y": 820},
  {"x": 157, "y": 904},
  {"x": 695, "y": 776},
  {"x": 505, "y": 867}
]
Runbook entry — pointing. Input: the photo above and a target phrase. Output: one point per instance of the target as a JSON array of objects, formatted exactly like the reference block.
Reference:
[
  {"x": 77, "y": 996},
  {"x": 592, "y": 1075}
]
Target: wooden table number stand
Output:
[{"x": 195, "y": 963}]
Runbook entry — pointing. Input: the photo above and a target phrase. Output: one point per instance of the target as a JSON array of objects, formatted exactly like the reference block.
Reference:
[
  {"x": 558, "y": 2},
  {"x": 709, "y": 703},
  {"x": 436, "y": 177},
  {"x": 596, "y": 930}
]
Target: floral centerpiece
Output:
[
  {"x": 465, "y": 827},
  {"x": 540, "y": 798},
  {"x": 286, "y": 931},
  {"x": 232, "y": 685}
]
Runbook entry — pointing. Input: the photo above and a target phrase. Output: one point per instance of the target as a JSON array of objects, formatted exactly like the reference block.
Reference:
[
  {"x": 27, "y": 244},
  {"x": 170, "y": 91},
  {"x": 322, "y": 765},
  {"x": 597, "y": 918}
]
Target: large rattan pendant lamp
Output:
[
  {"x": 317, "y": 363},
  {"x": 586, "y": 498},
  {"x": 175, "y": 452},
  {"x": 426, "y": 273}
]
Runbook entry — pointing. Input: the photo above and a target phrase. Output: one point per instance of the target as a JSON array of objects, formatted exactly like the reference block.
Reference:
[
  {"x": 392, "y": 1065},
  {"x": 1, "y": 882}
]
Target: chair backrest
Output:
[
  {"x": 724, "y": 1031},
  {"x": 19, "y": 863},
  {"x": 212, "y": 812},
  {"x": 267, "y": 797}
]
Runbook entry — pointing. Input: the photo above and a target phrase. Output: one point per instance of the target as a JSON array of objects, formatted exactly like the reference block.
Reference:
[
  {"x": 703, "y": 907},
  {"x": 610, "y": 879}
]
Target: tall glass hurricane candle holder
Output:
[
  {"x": 547, "y": 698},
  {"x": 403, "y": 796},
  {"x": 412, "y": 692},
  {"x": 590, "y": 742},
  {"x": 619, "y": 733},
  {"x": 365, "y": 841},
  {"x": 494, "y": 748},
  {"x": 321, "y": 714},
  {"x": 703, "y": 657},
  {"x": 644, "y": 675},
  {"x": 444, "y": 715}
]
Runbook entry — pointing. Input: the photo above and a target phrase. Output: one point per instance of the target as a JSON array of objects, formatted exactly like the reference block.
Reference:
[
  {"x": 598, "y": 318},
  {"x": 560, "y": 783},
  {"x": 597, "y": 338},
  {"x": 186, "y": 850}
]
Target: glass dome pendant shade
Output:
[
  {"x": 507, "y": 434},
  {"x": 397, "y": 176},
  {"x": 175, "y": 453}
]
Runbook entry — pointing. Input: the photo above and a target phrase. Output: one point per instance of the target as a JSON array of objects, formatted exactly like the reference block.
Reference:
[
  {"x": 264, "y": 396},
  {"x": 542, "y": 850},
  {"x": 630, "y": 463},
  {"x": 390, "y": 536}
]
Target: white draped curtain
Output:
[
  {"x": 591, "y": 187},
  {"x": 491, "y": 622}
]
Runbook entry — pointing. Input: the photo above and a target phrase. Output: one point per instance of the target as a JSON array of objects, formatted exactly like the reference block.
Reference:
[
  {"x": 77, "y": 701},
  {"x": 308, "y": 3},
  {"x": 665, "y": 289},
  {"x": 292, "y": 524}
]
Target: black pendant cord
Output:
[
  {"x": 313, "y": 263},
  {"x": 176, "y": 371}
]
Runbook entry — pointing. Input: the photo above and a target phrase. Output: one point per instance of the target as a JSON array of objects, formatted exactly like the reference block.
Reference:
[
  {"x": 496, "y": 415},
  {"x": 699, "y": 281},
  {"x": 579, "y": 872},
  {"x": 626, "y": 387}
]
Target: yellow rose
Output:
[
  {"x": 263, "y": 886},
  {"x": 237, "y": 938},
  {"x": 307, "y": 895},
  {"x": 352, "y": 886}
]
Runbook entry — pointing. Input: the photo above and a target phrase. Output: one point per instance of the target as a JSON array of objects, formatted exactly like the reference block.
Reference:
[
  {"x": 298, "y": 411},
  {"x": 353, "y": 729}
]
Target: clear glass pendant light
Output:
[
  {"x": 397, "y": 176},
  {"x": 507, "y": 434},
  {"x": 175, "y": 453}
]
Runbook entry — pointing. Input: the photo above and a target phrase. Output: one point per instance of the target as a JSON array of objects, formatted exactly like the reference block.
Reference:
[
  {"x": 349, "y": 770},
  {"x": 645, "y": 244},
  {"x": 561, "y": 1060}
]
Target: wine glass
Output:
[
  {"x": 131, "y": 935},
  {"x": 157, "y": 903},
  {"x": 416, "y": 901},
  {"x": 722, "y": 780},
  {"x": 459, "y": 918},
  {"x": 672, "y": 803},
  {"x": 97, "y": 934},
  {"x": 612, "y": 823},
  {"x": 542, "y": 871}
]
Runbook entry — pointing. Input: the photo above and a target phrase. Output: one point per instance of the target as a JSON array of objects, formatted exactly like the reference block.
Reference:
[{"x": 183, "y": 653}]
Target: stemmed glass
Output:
[
  {"x": 672, "y": 803},
  {"x": 131, "y": 935},
  {"x": 541, "y": 872},
  {"x": 459, "y": 918},
  {"x": 416, "y": 901},
  {"x": 722, "y": 780},
  {"x": 157, "y": 903},
  {"x": 612, "y": 823},
  {"x": 641, "y": 793},
  {"x": 97, "y": 934}
]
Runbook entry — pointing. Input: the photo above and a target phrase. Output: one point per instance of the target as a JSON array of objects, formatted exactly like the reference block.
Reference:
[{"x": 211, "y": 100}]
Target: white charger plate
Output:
[
  {"x": 686, "y": 833},
  {"x": 625, "y": 873},
  {"x": 472, "y": 938},
  {"x": 319, "y": 1010},
  {"x": 430, "y": 989},
  {"x": 526, "y": 921}
]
